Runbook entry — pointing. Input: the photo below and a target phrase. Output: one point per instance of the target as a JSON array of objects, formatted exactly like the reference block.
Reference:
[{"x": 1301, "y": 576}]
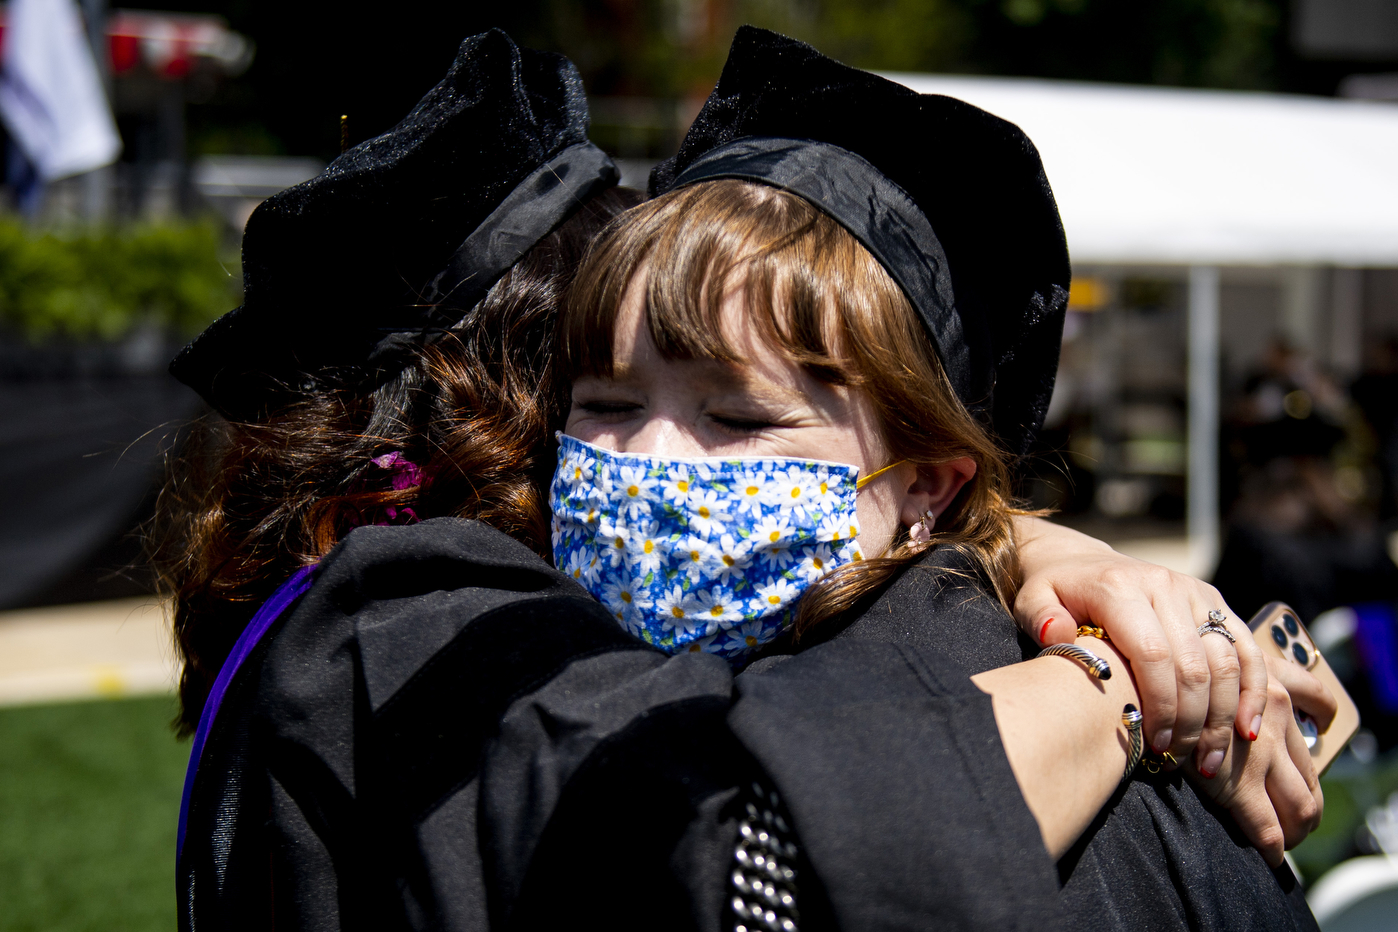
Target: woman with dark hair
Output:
[{"x": 425, "y": 725}]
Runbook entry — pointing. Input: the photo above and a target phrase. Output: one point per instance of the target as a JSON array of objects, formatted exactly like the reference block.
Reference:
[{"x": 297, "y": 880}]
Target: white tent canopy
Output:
[{"x": 1192, "y": 177}]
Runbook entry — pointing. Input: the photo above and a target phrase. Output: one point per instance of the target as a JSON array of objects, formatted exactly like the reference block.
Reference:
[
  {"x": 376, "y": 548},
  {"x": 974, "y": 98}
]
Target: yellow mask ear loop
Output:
[{"x": 862, "y": 481}]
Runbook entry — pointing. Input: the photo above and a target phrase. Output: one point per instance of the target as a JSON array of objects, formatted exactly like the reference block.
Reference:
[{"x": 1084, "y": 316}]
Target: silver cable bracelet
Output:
[
  {"x": 1096, "y": 666},
  {"x": 1131, "y": 718}
]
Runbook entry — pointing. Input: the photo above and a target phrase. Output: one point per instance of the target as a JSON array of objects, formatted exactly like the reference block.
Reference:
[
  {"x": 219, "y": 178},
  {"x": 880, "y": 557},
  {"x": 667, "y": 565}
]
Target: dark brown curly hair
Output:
[{"x": 246, "y": 504}]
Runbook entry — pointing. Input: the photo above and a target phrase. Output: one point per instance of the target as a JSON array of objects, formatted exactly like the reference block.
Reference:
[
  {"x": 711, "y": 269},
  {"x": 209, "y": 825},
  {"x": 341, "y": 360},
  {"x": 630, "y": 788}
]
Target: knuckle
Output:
[
  {"x": 1157, "y": 573},
  {"x": 1133, "y": 576},
  {"x": 1227, "y": 668},
  {"x": 1271, "y": 838},
  {"x": 1194, "y": 672},
  {"x": 1117, "y": 577},
  {"x": 1154, "y": 649}
]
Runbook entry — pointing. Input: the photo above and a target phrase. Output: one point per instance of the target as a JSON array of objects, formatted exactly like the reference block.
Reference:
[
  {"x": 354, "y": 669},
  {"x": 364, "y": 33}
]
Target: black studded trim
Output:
[{"x": 762, "y": 887}]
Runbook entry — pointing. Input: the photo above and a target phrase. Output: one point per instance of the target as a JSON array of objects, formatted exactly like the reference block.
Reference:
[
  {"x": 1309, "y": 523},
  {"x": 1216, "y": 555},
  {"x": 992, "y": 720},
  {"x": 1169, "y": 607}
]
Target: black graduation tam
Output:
[
  {"x": 402, "y": 235},
  {"x": 951, "y": 200}
]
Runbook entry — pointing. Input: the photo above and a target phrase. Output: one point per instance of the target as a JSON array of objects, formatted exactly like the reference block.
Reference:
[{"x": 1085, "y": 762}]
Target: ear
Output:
[{"x": 935, "y": 488}]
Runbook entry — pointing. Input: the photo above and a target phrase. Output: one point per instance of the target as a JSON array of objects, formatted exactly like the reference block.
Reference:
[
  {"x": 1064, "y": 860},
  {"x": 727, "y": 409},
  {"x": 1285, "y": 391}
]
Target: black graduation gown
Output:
[
  {"x": 1160, "y": 856},
  {"x": 445, "y": 733}
]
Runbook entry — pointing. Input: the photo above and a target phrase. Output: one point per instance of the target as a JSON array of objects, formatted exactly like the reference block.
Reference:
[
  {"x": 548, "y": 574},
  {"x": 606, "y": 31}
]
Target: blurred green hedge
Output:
[{"x": 102, "y": 283}]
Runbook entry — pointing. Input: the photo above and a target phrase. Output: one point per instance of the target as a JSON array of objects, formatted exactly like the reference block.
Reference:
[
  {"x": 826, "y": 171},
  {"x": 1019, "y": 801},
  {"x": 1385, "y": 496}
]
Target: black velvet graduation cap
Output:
[
  {"x": 950, "y": 199},
  {"x": 402, "y": 235}
]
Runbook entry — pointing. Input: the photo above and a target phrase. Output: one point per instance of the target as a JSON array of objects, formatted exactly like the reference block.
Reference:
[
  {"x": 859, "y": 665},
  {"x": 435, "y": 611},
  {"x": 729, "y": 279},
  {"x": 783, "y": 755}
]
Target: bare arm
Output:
[{"x": 1063, "y": 734}]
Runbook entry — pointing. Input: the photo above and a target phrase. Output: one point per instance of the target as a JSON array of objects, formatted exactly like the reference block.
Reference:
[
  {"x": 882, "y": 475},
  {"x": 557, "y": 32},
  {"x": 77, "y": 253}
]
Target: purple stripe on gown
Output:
[{"x": 271, "y": 610}]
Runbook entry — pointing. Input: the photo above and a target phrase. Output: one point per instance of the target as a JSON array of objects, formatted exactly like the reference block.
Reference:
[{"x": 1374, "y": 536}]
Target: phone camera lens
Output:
[
  {"x": 1292, "y": 627},
  {"x": 1279, "y": 636},
  {"x": 1303, "y": 656}
]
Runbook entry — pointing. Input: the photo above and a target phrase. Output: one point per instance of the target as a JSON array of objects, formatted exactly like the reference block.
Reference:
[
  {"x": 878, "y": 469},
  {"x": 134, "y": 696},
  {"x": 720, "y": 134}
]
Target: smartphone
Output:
[{"x": 1280, "y": 633}]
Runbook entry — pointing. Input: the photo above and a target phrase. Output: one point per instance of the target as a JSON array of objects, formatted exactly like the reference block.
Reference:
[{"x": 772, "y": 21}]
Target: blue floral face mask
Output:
[{"x": 700, "y": 554}]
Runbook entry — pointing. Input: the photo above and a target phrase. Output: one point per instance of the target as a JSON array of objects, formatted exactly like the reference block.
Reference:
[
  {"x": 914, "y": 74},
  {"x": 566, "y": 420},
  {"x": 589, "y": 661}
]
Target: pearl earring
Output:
[{"x": 920, "y": 534}]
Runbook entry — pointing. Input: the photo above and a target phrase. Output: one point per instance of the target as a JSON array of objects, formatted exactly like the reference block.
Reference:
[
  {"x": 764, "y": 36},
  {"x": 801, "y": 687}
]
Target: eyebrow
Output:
[
  {"x": 717, "y": 371},
  {"x": 728, "y": 379}
]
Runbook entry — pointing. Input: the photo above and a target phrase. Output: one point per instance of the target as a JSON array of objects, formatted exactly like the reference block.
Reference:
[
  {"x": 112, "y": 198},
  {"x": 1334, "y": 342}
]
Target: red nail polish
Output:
[
  {"x": 1043, "y": 629},
  {"x": 1252, "y": 736},
  {"x": 1208, "y": 776}
]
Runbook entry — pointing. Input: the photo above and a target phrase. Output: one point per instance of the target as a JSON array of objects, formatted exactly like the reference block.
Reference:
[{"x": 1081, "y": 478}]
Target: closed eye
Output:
[
  {"x": 740, "y": 426},
  {"x": 607, "y": 407}
]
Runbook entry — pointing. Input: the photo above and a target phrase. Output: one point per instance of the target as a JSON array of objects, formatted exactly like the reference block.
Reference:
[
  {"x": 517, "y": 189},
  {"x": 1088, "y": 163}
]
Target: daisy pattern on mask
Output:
[
  {"x": 613, "y": 542},
  {"x": 646, "y": 548},
  {"x": 772, "y": 530},
  {"x": 748, "y": 636},
  {"x": 771, "y": 542},
  {"x": 626, "y": 599},
  {"x": 706, "y": 512},
  {"x": 751, "y": 495},
  {"x": 728, "y": 559},
  {"x": 826, "y": 489},
  {"x": 582, "y": 565},
  {"x": 692, "y": 556},
  {"x": 679, "y": 612},
  {"x": 816, "y": 560},
  {"x": 718, "y": 605},
  {"x": 790, "y": 490},
  {"x": 678, "y": 485},
  {"x": 837, "y": 527},
  {"x": 632, "y": 490},
  {"x": 579, "y": 467},
  {"x": 772, "y": 595},
  {"x": 708, "y": 540},
  {"x": 708, "y": 645}
]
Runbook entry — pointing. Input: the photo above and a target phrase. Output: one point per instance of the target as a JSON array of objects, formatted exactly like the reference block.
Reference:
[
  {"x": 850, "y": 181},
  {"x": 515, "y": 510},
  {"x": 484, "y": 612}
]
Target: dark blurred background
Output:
[{"x": 314, "y": 63}]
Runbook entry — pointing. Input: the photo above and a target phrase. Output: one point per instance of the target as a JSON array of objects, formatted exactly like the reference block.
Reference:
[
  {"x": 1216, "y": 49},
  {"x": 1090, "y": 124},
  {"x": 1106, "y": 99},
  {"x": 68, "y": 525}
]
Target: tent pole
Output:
[
  {"x": 1203, "y": 523},
  {"x": 1347, "y": 322},
  {"x": 97, "y": 184}
]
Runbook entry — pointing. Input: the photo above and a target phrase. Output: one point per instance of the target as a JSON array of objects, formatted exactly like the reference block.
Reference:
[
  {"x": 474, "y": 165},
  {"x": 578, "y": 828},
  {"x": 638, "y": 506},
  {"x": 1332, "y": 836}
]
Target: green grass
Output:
[{"x": 89, "y": 798}]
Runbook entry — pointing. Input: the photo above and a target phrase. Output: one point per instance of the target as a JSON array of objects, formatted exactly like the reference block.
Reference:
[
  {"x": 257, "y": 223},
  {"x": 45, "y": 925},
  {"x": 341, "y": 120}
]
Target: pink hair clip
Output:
[{"x": 405, "y": 475}]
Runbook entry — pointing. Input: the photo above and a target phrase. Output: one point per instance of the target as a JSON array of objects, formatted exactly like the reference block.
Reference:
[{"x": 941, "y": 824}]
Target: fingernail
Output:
[
  {"x": 1161, "y": 743},
  {"x": 1255, "y": 728},
  {"x": 1043, "y": 629},
  {"x": 1214, "y": 760}
]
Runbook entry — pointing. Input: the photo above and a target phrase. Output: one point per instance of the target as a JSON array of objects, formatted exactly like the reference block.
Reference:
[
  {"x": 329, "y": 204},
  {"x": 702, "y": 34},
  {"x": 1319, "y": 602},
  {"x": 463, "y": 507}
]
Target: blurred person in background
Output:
[
  {"x": 1376, "y": 394},
  {"x": 1294, "y": 535},
  {"x": 339, "y": 421}
]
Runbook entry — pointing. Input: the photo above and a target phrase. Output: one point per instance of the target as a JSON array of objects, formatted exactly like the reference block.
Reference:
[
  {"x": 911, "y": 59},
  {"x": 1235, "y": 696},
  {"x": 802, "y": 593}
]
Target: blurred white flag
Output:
[{"x": 51, "y": 96}]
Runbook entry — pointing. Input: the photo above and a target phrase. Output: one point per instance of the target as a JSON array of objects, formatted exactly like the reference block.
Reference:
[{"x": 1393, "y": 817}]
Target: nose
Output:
[{"x": 662, "y": 435}]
